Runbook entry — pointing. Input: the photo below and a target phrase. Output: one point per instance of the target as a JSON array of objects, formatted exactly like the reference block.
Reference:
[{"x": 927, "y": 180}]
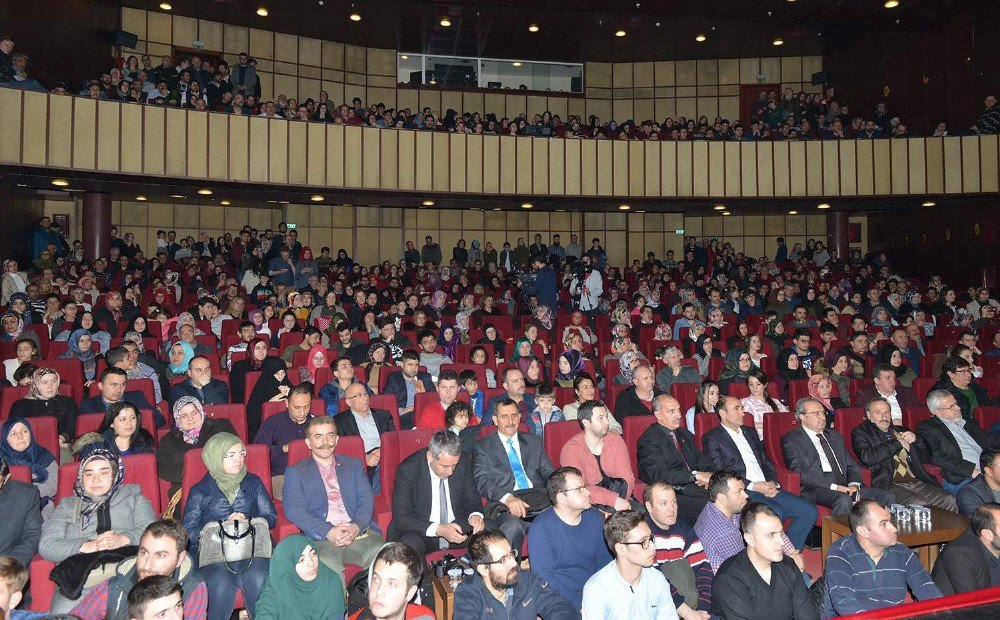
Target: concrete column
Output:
[
  {"x": 837, "y": 234},
  {"x": 96, "y": 224}
]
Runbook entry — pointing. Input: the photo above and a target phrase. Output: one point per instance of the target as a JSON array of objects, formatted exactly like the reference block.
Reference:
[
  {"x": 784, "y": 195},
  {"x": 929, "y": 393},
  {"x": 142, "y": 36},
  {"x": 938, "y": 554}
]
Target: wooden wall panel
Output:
[
  {"x": 540, "y": 166},
  {"x": 353, "y": 156},
  {"x": 970, "y": 164},
  {"x": 61, "y": 125},
  {"x": 524, "y": 178},
  {"x": 701, "y": 167},
  {"x": 814, "y": 168},
  {"x": 935, "y": 165},
  {"x": 748, "y": 168},
  {"x": 866, "y": 167},
  {"x": 848, "y": 171},
  {"x": 259, "y": 138},
  {"x": 899, "y": 158},
  {"x": 84, "y": 134},
  {"x": 36, "y": 142},
  {"x": 298, "y": 142},
  {"x": 278, "y": 150},
  {"x": 197, "y": 144},
  {"x": 407, "y": 159},
  {"x": 620, "y": 178},
  {"x": 371, "y": 159},
  {"x": 441, "y": 162},
  {"x": 425, "y": 161},
  {"x": 491, "y": 164},
  {"x": 556, "y": 167},
  {"x": 153, "y": 139},
  {"x": 831, "y": 168},
  {"x": 765, "y": 169},
  {"x": 650, "y": 157},
  {"x": 131, "y": 137},
  {"x": 685, "y": 169},
  {"x": 605, "y": 168},
  {"x": 883, "y": 170},
  {"x": 988, "y": 163},
  {"x": 588, "y": 163},
  {"x": 733, "y": 169},
  {"x": 316, "y": 155},
  {"x": 571, "y": 166},
  {"x": 797, "y": 168},
  {"x": 457, "y": 162},
  {"x": 388, "y": 162},
  {"x": 917, "y": 165},
  {"x": 508, "y": 165}
]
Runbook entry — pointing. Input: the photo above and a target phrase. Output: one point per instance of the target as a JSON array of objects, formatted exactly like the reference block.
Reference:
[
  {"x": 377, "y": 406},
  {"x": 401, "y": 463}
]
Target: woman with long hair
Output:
[
  {"x": 122, "y": 430},
  {"x": 705, "y": 402},
  {"x": 760, "y": 402}
]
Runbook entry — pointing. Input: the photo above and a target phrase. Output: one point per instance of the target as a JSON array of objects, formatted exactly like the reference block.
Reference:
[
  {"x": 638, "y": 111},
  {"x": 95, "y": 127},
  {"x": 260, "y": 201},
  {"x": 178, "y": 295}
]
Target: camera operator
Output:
[
  {"x": 587, "y": 286},
  {"x": 543, "y": 285}
]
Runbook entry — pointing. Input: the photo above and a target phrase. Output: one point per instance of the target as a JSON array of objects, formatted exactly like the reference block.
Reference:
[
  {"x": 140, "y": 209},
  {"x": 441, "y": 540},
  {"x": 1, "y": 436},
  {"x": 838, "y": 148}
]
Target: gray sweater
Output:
[{"x": 63, "y": 533}]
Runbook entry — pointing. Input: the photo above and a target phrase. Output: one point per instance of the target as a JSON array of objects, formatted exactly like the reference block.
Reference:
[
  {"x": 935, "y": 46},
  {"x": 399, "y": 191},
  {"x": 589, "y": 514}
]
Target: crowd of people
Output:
[
  {"x": 642, "y": 432},
  {"x": 196, "y": 83}
]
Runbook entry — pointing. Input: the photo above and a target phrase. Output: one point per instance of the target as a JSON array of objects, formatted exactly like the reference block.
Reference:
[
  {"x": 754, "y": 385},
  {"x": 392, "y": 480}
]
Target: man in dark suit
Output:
[
  {"x": 830, "y": 477},
  {"x": 329, "y": 498},
  {"x": 112, "y": 387},
  {"x": 360, "y": 420},
  {"x": 405, "y": 383},
  {"x": 738, "y": 448},
  {"x": 435, "y": 504},
  {"x": 955, "y": 443},
  {"x": 21, "y": 527},
  {"x": 200, "y": 384},
  {"x": 667, "y": 452},
  {"x": 637, "y": 399},
  {"x": 896, "y": 457},
  {"x": 983, "y": 489},
  {"x": 884, "y": 386},
  {"x": 972, "y": 561},
  {"x": 513, "y": 382},
  {"x": 506, "y": 463}
]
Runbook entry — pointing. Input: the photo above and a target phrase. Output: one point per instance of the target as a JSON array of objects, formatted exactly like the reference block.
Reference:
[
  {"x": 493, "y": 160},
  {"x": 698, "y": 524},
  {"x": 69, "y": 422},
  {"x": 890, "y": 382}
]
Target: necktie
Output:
[
  {"x": 520, "y": 478},
  {"x": 838, "y": 473},
  {"x": 677, "y": 444},
  {"x": 443, "y": 492}
]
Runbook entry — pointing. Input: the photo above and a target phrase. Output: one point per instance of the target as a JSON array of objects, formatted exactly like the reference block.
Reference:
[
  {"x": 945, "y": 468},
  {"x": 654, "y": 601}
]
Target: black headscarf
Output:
[{"x": 265, "y": 389}]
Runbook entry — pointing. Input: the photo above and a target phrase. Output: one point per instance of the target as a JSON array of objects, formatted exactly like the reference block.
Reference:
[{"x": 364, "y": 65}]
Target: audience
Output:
[
  {"x": 969, "y": 562},
  {"x": 395, "y": 574},
  {"x": 18, "y": 446},
  {"x": 300, "y": 585},
  {"x": 21, "y": 528},
  {"x": 954, "y": 443}
]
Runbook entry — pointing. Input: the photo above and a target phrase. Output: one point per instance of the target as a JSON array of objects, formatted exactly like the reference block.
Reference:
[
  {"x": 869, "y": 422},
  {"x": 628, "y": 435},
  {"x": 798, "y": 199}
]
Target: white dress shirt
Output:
[
  {"x": 754, "y": 472},
  {"x": 827, "y": 468}
]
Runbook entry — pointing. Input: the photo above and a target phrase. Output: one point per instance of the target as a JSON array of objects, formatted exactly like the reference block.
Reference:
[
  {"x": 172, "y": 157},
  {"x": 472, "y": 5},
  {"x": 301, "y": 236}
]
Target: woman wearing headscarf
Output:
[
  {"x": 103, "y": 515},
  {"x": 492, "y": 336},
  {"x": 775, "y": 333},
  {"x": 439, "y": 301},
  {"x": 821, "y": 388},
  {"x": 192, "y": 429},
  {"x": 140, "y": 325},
  {"x": 737, "y": 369},
  {"x": 44, "y": 399},
  {"x": 522, "y": 348},
  {"x": 882, "y": 319},
  {"x": 180, "y": 355},
  {"x": 85, "y": 320},
  {"x": 256, "y": 354},
  {"x": 571, "y": 364},
  {"x": 475, "y": 253},
  {"x": 789, "y": 369},
  {"x": 449, "y": 339},
  {"x": 532, "y": 370},
  {"x": 12, "y": 281},
  {"x": 628, "y": 362},
  {"x": 273, "y": 385},
  {"x": 891, "y": 355},
  {"x": 80, "y": 348},
  {"x": 228, "y": 492},
  {"x": 305, "y": 268},
  {"x": 315, "y": 359},
  {"x": 379, "y": 356},
  {"x": 122, "y": 430},
  {"x": 463, "y": 323},
  {"x": 299, "y": 585},
  {"x": 13, "y": 329},
  {"x": 19, "y": 447}
]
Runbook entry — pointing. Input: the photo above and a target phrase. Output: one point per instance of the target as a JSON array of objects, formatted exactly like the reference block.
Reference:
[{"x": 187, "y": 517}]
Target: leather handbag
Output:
[{"x": 231, "y": 542}]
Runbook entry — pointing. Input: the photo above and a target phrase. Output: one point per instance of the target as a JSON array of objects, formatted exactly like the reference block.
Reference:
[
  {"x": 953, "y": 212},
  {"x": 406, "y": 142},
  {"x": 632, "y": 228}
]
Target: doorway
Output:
[{"x": 748, "y": 94}]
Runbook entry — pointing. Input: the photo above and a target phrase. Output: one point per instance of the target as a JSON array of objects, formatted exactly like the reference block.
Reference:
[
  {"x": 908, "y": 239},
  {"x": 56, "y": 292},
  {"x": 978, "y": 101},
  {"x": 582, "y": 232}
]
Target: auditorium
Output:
[{"x": 597, "y": 310}]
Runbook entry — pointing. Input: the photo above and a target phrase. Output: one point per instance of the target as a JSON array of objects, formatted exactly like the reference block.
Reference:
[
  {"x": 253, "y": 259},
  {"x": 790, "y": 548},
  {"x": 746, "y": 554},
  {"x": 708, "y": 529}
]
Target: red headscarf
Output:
[{"x": 254, "y": 362}]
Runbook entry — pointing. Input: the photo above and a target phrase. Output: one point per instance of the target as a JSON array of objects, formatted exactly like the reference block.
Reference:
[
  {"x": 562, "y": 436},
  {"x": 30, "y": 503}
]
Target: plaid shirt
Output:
[
  {"x": 721, "y": 537},
  {"x": 94, "y": 606}
]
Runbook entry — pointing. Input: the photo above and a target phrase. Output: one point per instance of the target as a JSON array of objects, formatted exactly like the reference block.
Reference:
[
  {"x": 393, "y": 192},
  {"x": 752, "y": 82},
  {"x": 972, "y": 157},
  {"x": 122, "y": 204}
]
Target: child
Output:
[
  {"x": 458, "y": 419},
  {"x": 545, "y": 409},
  {"x": 470, "y": 383},
  {"x": 161, "y": 240}
]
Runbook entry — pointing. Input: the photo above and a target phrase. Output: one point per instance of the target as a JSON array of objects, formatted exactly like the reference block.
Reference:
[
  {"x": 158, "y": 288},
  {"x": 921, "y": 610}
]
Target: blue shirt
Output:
[{"x": 567, "y": 555}]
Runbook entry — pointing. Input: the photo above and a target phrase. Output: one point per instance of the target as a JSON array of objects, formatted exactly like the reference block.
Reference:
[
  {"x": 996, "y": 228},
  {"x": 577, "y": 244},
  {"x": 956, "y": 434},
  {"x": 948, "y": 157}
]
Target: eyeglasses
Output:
[
  {"x": 361, "y": 395},
  {"x": 963, "y": 370},
  {"x": 644, "y": 543},
  {"x": 572, "y": 490},
  {"x": 503, "y": 559}
]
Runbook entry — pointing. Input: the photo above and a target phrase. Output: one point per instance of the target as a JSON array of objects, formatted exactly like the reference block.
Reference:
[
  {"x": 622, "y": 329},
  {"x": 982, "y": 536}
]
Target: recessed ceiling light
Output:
[
  {"x": 497, "y": 209},
  {"x": 560, "y": 210},
  {"x": 533, "y": 28},
  {"x": 700, "y": 38},
  {"x": 793, "y": 212},
  {"x": 891, "y": 4},
  {"x": 619, "y": 33},
  {"x": 284, "y": 202},
  {"x": 428, "y": 203},
  {"x": 432, "y": 82},
  {"x": 166, "y": 6},
  {"x": 445, "y": 21},
  {"x": 624, "y": 207},
  {"x": 517, "y": 63},
  {"x": 225, "y": 202},
  {"x": 928, "y": 203},
  {"x": 316, "y": 198},
  {"x": 823, "y": 206},
  {"x": 726, "y": 213},
  {"x": 205, "y": 192},
  {"x": 527, "y": 205},
  {"x": 176, "y": 196},
  {"x": 404, "y": 57},
  {"x": 60, "y": 182},
  {"x": 778, "y": 41},
  {"x": 354, "y": 16},
  {"x": 720, "y": 207},
  {"x": 141, "y": 198},
  {"x": 262, "y": 11}
]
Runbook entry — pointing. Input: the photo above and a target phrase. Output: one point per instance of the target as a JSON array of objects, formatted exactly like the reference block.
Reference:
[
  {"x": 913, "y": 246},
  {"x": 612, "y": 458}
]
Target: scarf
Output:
[
  {"x": 575, "y": 360},
  {"x": 89, "y": 503},
  {"x": 36, "y": 378},
  {"x": 188, "y": 356},
  {"x": 449, "y": 345},
  {"x": 376, "y": 346},
  {"x": 787, "y": 372},
  {"x": 626, "y": 366},
  {"x": 16, "y": 334},
  {"x": 190, "y": 437},
  {"x": 814, "y": 382},
  {"x": 88, "y": 357},
  {"x": 213, "y": 454},
  {"x": 288, "y": 596},
  {"x": 256, "y": 364},
  {"x": 34, "y": 456},
  {"x": 439, "y": 300},
  {"x": 732, "y": 371},
  {"x": 545, "y": 318},
  {"x": 310, "y": 365},
  {"x": 517, "y": 350},
  {"x": 885, "y": 357}
]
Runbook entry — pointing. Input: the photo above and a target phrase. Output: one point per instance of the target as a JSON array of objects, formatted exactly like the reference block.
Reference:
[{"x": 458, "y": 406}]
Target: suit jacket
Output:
[
  {"x": 802, "y": 457},
  {"x": 215, "y": 393},
  {"x": 721, "y": 449},
  {"x": 876, "y": 450},
  {"x": 904, "y": 395},
  {"x": 491, "y": 406},
  {"x": 411, "y": 497},
  {"x": 963, "y": 566},
  {"x": 305, "y": 498},
  {"x": 628, "y": 403},
  {"x": 494, "y": 477},
  {"x": 22, "y": 518},
  {"x": 982, "y": 396},
  {"x": 347, "y": 425},
  {"x": 396, "y": 385},
  {"x": 659, "y": 459},
  {"x": 974, "y": 495},
  {"x": 944, "y": 450},
  {"x": 96, "y": 404}
]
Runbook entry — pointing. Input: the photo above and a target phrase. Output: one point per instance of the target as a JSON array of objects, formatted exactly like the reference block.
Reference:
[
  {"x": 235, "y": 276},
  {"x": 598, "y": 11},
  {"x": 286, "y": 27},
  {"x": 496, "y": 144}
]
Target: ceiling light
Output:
[
  {"x": 823, "y": 206},
  {"x": 701, "y": 38},
  {"x": 928, "y": 203},
  {"x": 445, "y": 21},
  {"x": 619, "y": 33},
  {"x": 284, "y": 202},
  {"x": 432, "y": 82},
  {"x": 560, "y": 210},
  {"x": 517, "y": 63},
  {"x": 141, "y": 198},
  {"x": 726, "y": 213},
  {"x": 778, "y": 41},
  {"x": 533, "y": 28},
  {"x": 404, "y": 57},
  {"x": 354, "y": 16},
  {"x": 176, "y": 196},
  {"x": 720, "y": 207},
  {"x": 316, "y": 198},
  {"x": 496, "y": 208},
  {"x": 205, "y": 192},
  {"x": 793, "y": 212},
  {"x": 60, "y": 182},
  {"x": 165, "y": 6},
  {"x": 428, "y": 203},
  {"x": 527, "y": 205},
  {"x": 891, "y": 4},
  {"x": 624, "y": 207},
  {"x": 225, "y": 202},
  {"x": 262, "y": 11}
]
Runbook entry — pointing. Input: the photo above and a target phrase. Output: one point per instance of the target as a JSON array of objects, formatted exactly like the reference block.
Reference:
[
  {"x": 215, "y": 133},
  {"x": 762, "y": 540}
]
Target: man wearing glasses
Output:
[
  {"x": 360, "y": 419},
  {"x": 500, "y": 589},
  {"x": 629, "y": 587},
  {"x": 955, "y": 443}
]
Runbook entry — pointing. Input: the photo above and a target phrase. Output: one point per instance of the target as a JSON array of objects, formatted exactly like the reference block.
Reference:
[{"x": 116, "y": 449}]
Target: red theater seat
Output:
[
  {"x": 140, "y": 469},
  {"x": 90, "y": 422},
  {"x": 235, "y": 413},
  {"x": 632, "y": 428},
  {"x": 556, "y": 435}
]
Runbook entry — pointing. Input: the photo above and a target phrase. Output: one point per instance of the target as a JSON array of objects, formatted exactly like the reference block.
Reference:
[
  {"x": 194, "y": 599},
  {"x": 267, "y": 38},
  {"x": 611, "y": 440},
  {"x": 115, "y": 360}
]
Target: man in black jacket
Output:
[
  {"x": 112, "y": 390},
  {"x": 200, "y": 384},
  {"x": 956, "y": 378},
  {"x": 405, "y": 383},
  {"x": 544, "y": 286},
  {"x": 21, "y": 527},
  {"x": 983, "y": 489},
  {"x": 667, "y": 451},
  {"x": 361, "y": 420},
  {"x": 435, "y": 504},
  {"x": 972, "y": 561},
  {"x": 955, "y": 443},
  {"x": 895, "y": 456},
  {"x": 638, "y": 399},
  {"x": 115, "y": 314}
]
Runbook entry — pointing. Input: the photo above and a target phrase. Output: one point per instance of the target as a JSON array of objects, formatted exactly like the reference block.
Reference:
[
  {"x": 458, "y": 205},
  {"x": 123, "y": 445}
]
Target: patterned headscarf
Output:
[
  {"x": 626, "y": 360},
  {"x": 90, "y": 503},
  {"x": 191, "y": 436},
  {"x": 36, "y": 378},
  {"x": 378, "y": 344},
  {"x": 34, "y": 456},
  {"x": 545, "y": 317},
  {"x": 575, "y": 360}
]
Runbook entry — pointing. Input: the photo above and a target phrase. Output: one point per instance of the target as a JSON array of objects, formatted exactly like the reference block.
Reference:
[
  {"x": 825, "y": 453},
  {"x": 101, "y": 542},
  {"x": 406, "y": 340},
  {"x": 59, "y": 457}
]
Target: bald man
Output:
[
  {"x": 638, "y": 399},
  {"x": 361, "y": 420}
]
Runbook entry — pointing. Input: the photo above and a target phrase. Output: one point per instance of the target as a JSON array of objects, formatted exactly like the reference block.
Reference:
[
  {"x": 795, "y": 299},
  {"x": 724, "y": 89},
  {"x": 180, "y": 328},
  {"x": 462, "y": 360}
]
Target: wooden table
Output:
[
  {"x": 925, "y": 540},
  {"x": 444, "y": 597}
]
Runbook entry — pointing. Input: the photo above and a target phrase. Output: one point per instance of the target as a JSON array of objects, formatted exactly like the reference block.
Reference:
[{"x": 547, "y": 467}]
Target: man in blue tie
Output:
[{"x": 511, "y": 467}]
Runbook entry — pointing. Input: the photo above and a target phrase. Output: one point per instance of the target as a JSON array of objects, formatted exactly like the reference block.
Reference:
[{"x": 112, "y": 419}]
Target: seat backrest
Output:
[
  {"x": 21, "y": 473},
  {"x": 922, "y": 385},
  {"x": 90, "y": 422},
  {"x": 46, "y": 432},
  {"x": 776, "y": 425},
  {"x": 845, "y": 421},
  {"x": 235, "y": 413},
  {"x": 986, "y": 416},
  {"x": 12, "y": 394},
  {"x": 396, "y": 446},
  {"x": 797, "y": 388},
  {"x": 258, "y": 462},
  {"x": 632, "y": 428},
  {"x": 142, "y": 385},
  {"x": 383, "y": 376},
  {"x": 915, "y": 415},
  {"x": 249, "y": 383},
  {"x": 556, "y": 435},
  {"x": 685, "y": 393},
  {"x": 140, "y": 469},
  {"x": 386, "y": 402}
]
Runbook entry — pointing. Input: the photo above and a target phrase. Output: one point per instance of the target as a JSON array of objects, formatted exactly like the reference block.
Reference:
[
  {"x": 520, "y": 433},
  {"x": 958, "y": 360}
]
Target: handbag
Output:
[{"x": 230, "y": 542}]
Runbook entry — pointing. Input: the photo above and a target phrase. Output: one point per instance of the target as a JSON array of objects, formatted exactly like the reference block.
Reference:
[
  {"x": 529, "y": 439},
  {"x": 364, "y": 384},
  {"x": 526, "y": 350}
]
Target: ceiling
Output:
[{"x": 581, "y": 30}]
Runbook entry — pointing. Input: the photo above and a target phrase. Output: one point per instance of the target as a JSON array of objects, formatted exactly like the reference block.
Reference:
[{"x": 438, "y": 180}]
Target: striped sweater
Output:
[{"x": 680, "y": 542}]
